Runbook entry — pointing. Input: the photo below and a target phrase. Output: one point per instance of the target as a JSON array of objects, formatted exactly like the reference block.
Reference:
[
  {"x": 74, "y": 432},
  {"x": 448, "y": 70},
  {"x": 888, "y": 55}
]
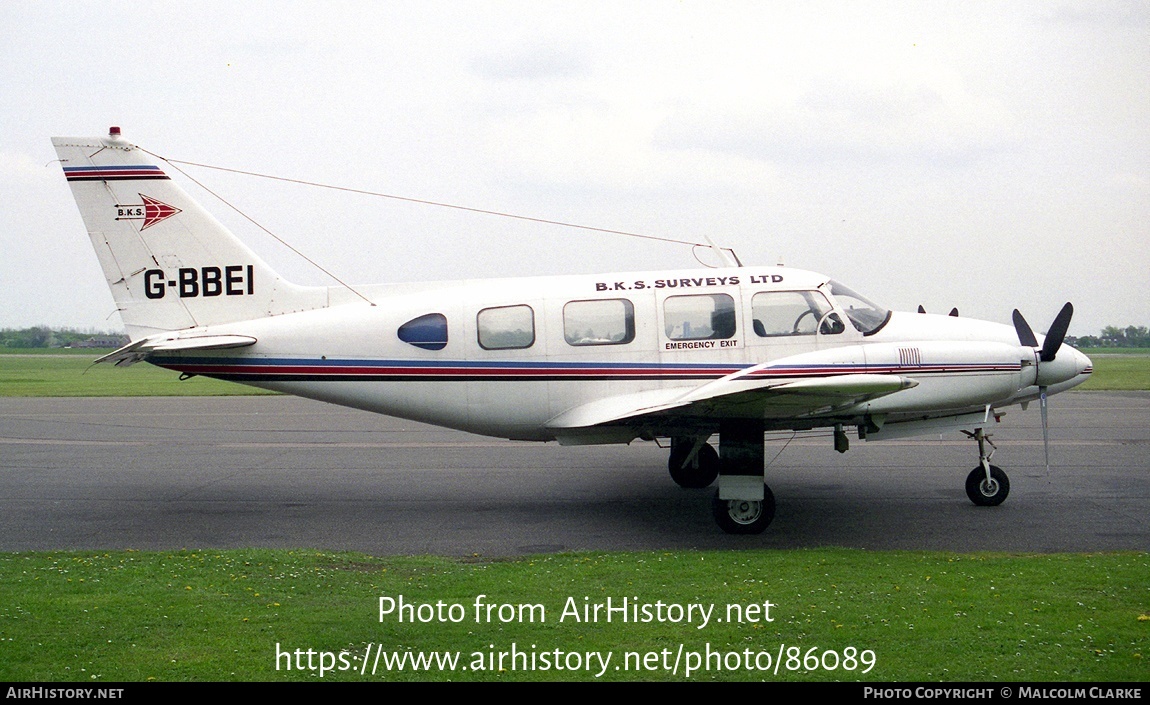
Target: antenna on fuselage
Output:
[{"x": 726, "y": 255}]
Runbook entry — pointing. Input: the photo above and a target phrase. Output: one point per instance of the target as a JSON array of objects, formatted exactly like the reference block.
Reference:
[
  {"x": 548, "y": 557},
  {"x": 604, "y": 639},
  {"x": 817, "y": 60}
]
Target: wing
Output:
[{"x": 777, "y": 390}]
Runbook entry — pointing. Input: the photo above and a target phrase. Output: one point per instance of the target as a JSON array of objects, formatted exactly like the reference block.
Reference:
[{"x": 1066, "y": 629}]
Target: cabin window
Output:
[
  {"x": 785, "y": 313},
  {"x": 699, "y": 317},
  {"x": 506, "y": 328},
  {"x": 600, "y": 322},
  {"x": 428, "y": 331}
]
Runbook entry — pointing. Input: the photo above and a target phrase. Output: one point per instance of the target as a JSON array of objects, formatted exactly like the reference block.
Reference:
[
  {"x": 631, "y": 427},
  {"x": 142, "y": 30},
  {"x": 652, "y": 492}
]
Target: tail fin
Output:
[{"x": 169, "y": 263}]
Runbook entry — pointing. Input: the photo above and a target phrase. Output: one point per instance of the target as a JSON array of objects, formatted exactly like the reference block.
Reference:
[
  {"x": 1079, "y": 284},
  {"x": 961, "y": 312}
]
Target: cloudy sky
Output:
[{"x": 980, "y": 155}]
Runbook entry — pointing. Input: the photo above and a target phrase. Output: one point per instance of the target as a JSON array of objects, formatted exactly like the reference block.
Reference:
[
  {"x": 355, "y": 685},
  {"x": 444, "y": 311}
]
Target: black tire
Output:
[
  {"x": 700, "y": 472},
  {"x": 986, "y": 494},
  {"x": 741, "y": 516}
]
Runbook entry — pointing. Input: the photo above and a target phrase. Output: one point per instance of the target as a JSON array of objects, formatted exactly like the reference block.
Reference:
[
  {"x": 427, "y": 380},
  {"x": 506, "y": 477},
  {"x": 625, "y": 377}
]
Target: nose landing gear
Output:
[
  {"x": 987, "y": 491},
  {"x": 986, "y": 485}
]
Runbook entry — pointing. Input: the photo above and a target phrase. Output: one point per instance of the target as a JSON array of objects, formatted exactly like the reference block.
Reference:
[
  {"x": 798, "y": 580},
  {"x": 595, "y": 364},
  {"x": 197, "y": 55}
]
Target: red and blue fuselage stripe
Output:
[
  {"x": 299, "y": 370},
  {"x": 881, "y": 369},
  {"x": 113, "y": 173}
]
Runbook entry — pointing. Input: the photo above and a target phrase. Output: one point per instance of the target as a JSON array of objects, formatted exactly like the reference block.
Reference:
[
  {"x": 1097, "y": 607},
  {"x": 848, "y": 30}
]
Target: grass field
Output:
[
  {"x": 892, "y": 616},
  {"x": 81, "y": 352},
  {"x": 1119, "y": 369},
  {"x": 74, "y": 375},
  {"x": 71, "y": 374},
  {"x": 1111, "y": 352}
]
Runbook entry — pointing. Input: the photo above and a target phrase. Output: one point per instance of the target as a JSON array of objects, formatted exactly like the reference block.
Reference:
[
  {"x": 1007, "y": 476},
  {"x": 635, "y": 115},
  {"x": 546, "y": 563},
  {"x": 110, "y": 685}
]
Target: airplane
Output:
[{"x": 735, "y": 351}]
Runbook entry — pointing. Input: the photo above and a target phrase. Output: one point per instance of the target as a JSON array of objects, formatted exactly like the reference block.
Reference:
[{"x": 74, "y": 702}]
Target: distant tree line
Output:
[
  {"x": 1114, "y": 337},
  {"x": 45, "y": 337}
]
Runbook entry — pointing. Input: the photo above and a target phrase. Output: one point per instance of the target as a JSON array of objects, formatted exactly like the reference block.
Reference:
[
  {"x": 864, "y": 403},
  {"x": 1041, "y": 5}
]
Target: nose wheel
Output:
[{"x": 987, "y": 491}]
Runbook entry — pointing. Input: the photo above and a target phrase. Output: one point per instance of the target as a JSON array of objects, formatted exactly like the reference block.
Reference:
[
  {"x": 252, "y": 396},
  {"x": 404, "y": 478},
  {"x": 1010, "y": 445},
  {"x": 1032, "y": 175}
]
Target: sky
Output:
[{"x": 984, "y": 155}]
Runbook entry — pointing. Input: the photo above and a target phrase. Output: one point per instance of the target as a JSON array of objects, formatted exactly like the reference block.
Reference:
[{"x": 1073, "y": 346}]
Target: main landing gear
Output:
[
  {"x": 694, "y": 463},
  {"x": 743, "y": 503},
  {"x": 744, "y": 516},
  {"x": 986, "y": 485}
]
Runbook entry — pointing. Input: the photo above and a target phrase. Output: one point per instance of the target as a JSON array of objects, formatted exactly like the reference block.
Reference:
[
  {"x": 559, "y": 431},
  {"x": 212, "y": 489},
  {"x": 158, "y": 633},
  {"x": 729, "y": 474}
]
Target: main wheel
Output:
[
  {"x": 744, "y": 516},
  {"x": 987, "y": 493},
  {"x": 698, "y": 473}
]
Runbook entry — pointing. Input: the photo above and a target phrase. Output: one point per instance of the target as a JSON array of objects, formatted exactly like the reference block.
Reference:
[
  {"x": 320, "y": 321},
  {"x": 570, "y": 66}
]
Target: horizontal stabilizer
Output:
[{"x": 135, "y": 352}]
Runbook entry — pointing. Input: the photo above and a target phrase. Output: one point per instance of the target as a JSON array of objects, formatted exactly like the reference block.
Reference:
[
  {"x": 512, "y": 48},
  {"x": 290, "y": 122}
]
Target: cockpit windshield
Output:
[{"x": 864, "y": 315}]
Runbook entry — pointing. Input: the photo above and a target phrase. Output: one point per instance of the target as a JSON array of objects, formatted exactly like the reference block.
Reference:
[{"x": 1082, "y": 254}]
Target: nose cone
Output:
[
  {"x": 1083, "y": 363},
  {"x": 1069, "y": 368}
]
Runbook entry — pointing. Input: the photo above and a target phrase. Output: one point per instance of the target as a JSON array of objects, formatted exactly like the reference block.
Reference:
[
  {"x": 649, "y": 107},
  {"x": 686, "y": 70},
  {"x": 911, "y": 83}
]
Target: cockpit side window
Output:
[
  {"x": 866, "y": 316},
  {"x": 786, "y": 313}
]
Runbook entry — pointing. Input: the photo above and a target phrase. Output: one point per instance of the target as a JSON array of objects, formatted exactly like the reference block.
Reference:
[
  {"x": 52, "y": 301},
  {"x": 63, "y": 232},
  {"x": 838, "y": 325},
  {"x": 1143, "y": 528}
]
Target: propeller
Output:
[
  {"x": 1025, "y": 335},
  {"x": 953, "y": 311},
  {"x": 1046, "y": 373},
  {"x": 1057, "y": 333}
]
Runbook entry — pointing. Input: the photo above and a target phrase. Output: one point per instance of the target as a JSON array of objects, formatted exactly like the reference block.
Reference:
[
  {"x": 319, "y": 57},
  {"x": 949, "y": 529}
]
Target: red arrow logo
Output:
[{"x": 156, "y": 211}]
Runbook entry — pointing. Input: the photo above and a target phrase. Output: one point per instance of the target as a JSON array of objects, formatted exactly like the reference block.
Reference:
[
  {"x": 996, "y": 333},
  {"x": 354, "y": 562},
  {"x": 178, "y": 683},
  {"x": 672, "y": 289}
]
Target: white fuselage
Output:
[{"x": 599, "y": 337}]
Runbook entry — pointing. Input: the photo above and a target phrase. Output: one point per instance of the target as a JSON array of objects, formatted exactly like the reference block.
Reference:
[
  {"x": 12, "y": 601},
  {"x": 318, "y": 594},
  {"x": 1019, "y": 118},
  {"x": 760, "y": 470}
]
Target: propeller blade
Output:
[
  {"x": 921, "y": 309},
  {"x": 1045, "y": 427},
  {"x": 1057, "y": 333},
  {"x": 1025, "y": 335},
  {"x": 954, "y": 312}
]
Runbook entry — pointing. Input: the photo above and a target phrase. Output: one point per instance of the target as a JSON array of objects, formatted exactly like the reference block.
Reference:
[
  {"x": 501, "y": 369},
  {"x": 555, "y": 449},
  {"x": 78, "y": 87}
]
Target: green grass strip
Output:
[
  {"x": 1111, "y": 352},
  {"x": 1122, "y": 372},
  {"x": 91, "y": 353},
  {"x": 929, "y": 616},
  {"x": 76, "y": 376}
]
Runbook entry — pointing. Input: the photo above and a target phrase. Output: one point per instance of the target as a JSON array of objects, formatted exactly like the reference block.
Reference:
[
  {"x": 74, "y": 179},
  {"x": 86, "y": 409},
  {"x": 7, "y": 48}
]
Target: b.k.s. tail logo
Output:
[{"x": 150, "y": 211}]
